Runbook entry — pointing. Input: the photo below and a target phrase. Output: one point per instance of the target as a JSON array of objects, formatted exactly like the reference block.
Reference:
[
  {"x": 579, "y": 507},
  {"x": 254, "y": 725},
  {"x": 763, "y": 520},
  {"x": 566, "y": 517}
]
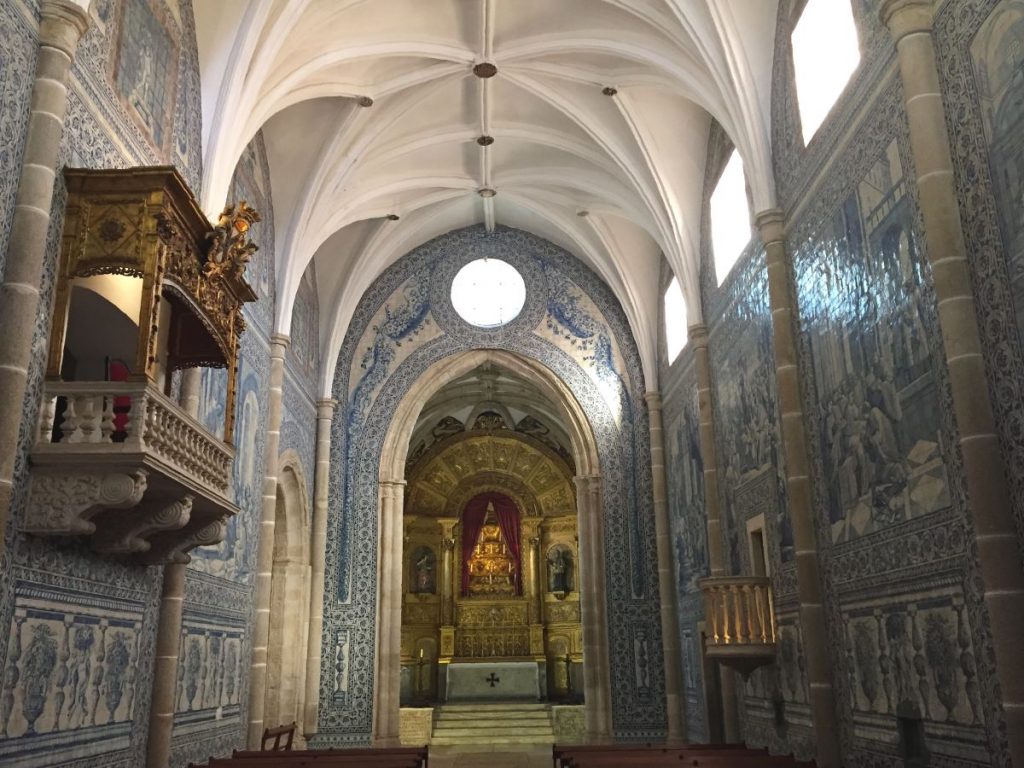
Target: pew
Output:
[
  {"x": 656, "y": 755},
  {"x": 418, "y": 755}
]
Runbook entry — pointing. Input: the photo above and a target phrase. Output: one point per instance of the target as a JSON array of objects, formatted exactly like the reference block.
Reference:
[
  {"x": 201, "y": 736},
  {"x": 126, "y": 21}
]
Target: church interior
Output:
[{"x": 498, "y": 374}]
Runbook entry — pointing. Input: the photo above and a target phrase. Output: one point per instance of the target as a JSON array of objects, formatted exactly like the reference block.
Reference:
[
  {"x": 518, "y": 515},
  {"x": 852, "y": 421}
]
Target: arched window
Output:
[
  {"x": 826, "y": 53},
  {"x": 675, "y": 320},
  {"x": 730, "y": 217}
]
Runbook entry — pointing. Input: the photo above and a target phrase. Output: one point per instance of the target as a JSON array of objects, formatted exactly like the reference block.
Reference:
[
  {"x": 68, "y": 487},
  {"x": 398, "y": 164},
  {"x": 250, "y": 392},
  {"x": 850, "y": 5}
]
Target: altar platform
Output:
[{"x": 485, "y": 680}]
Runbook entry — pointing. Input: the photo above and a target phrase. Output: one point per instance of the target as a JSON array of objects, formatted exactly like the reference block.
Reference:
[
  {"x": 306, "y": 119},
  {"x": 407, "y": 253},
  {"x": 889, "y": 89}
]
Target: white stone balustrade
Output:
[
  {"x": 740, "y": 618},
  {"x": 124, "y": 464}
]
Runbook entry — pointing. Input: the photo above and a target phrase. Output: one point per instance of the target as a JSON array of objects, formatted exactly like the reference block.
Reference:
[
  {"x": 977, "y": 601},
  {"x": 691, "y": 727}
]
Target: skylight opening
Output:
[
  {"x": 488, "y": 293},
  {"x": 730, "y": 217},
  {"x": 675, "y": 320},
  {"x": 826, "y": 53}
]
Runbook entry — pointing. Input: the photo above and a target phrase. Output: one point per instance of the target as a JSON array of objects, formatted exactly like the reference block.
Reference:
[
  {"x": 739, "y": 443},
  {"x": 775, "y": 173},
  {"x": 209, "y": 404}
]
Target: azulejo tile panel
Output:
[
  {"x": 878, "y": 408},
  {"x": 684, "y": 474},
  {"x": 78, "y": 664},
  {"x": 404, "y": 324}
]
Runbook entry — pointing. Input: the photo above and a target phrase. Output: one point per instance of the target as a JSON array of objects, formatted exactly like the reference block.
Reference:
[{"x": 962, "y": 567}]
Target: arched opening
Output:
[
  {"x": 289, "y": 597},
  {"x": 392, "y": 477}
]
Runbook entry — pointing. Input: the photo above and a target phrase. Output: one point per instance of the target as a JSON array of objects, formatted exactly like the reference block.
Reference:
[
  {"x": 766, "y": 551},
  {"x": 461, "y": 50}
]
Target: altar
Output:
[{"x": 494, "y": 680}]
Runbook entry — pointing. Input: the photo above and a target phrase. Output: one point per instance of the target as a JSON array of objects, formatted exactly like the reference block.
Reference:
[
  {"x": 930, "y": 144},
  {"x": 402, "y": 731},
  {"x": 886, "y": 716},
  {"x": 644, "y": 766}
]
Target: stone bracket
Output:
[
  {"x": 128, "y": 533},
  {"x": 65, "y": 503}
]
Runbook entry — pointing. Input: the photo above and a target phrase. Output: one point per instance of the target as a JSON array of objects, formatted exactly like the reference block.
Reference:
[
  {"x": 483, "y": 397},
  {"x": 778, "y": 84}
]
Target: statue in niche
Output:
[
  {"x": 423, "y": 571},
  {"x": 560, "y": 570}
]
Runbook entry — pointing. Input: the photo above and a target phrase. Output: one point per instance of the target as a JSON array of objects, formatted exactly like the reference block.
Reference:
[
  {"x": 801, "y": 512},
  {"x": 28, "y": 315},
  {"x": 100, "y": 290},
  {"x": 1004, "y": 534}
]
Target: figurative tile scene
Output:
[{"x": 907, "y": 636}]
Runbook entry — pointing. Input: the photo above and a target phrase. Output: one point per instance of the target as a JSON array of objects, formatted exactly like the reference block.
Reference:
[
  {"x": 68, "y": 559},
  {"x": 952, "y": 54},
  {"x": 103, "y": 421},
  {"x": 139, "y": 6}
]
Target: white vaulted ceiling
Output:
[{"x": 614, "y": 179}]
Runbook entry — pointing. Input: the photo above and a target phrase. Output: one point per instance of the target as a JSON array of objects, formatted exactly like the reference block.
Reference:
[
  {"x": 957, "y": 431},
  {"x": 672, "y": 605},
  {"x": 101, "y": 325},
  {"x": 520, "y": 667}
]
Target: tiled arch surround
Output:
[{"x": 572, "y": 326}]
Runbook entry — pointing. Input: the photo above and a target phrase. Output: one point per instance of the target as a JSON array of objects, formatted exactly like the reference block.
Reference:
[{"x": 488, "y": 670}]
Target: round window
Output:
[{"x": 488, "y": 293}]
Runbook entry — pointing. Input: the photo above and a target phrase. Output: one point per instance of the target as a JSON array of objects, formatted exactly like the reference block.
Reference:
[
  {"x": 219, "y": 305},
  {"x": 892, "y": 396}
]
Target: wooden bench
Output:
[
  {"x": 285, "y": 760},
  {"x": 286, "y": 732},
  {"x": 419, "y": 755},
  {"x": 653, "y": 755}
]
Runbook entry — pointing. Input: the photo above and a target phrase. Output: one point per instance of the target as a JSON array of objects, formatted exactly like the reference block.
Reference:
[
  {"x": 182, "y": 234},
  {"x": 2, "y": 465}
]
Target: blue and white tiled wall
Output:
[
  {"x": 572, "y": 324},
  {"x": 908, "y": 631},
  {"x": 77, "y": 665}
]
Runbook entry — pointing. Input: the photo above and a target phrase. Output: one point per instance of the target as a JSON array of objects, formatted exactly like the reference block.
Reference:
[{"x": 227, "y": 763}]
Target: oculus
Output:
[{"x": 488, "y": 293}]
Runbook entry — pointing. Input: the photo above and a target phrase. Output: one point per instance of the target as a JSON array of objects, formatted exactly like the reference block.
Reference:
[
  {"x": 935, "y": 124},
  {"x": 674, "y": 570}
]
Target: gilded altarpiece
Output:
[{"x": 477, "y": 601}]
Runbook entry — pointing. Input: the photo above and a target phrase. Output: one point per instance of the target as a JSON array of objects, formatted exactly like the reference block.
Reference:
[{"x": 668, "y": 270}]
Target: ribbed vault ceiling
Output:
[{"x": 599, "y": 114}]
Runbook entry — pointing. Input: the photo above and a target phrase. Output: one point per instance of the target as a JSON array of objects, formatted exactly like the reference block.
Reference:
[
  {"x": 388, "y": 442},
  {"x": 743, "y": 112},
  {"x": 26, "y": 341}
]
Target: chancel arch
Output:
[{"x": 571, "y": 341}]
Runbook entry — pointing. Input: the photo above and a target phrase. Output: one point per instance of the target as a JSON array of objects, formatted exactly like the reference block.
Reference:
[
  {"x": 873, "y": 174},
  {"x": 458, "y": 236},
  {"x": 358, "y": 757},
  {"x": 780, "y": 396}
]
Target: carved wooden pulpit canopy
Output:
[
  {"x": 145, "y": 287},
  {"x": 145, "y": 223}
]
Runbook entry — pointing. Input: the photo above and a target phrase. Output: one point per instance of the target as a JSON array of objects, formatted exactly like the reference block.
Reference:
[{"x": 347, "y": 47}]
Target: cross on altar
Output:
[{"x": 493, "y": 680}]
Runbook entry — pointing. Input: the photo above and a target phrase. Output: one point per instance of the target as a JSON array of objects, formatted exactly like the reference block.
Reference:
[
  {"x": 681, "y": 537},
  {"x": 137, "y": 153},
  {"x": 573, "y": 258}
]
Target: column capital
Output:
[
  {"x": 771, "y": 224},
  {"x": 325, "y": 408},
  {"x": 388, "y": 483},
  {"x": 653, "y": 400},
  {"x": 586, "y": 482},
  {"x": 698, "y": 333},
  {"x": 279, "y": 341},
  {"x": 62, "y": 24},
  {"x": 907, "y": 17}
]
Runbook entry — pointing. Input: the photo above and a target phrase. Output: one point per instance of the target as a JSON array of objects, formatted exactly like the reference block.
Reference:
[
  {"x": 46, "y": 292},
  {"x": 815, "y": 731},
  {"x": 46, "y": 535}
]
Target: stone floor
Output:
[{"x": 496, "y": 756}]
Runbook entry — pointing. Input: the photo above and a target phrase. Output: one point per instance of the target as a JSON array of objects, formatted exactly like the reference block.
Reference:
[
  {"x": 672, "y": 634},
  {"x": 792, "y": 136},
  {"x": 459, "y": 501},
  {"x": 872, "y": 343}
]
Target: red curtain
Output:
[{"x": 508, "y": 521}]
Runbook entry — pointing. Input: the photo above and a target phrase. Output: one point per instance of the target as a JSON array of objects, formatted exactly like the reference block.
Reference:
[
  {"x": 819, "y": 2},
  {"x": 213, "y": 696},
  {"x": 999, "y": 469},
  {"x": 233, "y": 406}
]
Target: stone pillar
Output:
[
  {"x": 61, "y": 26},
  {"x": 321, "y": 484},
  {"x": 593, "y": 595},
  {"x": 532, "y": 584},
  {"x": 265, "y": 548},
  {"x": 447, "y": 569},
  {"x": 191, "y": 389},
  {"x": 666, "y": 576},
  {"x": 813, "y": 629},
  {"x": 389, "y": 643},
  {"x": 910, "y": 22},
  {"x": 165, "y": 667},
  {"x": 712, "y": 506},
  {"x": 168, "y": 632}
]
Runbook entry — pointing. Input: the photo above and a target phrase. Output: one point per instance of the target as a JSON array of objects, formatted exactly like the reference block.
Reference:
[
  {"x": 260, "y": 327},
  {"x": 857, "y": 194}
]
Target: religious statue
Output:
[
  {"x": 423, "y": 572},
  {"x": 491, "y": 566},
  {"x": 559, "y": 570}
]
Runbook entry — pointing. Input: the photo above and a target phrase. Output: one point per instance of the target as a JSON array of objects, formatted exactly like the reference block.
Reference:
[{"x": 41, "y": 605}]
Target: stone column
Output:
[
  {"x": 61, "y": 26},
  {"x": 813, "y": 629},
  {"x": 389, "y": 644},
  {"x": 532, "y": 588},
  {"x": 191, "y": 389},
  {"x": 168, "y": 632},
  {"x": 666, "y": 576},
  {"x": 592, "y": 601},
  {"x": 165, "y": 667},
  {"x": 265, "y": 550},
  {"x": 712, "y": 507},
  {"x": 447, "y": 566},
  {"x": 910, "y": 22},
  {"x": 321, "y": 485}
]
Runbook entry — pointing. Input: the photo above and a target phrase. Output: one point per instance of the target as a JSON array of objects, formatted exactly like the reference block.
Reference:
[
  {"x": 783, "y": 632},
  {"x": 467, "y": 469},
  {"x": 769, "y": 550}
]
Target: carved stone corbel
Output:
[
  {"x": 130, "y": 532},
  {"x": 174, "y": 549},
  {"x": 63, "y": 504}
]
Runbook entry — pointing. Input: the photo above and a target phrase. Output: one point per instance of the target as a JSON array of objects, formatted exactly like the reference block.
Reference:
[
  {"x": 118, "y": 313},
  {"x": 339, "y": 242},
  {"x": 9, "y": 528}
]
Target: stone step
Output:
[
  {"x": 475, "y": 740},
  {"x": 481, "y": 716},
  {"x": 491, "y": 707},
  {"x": 506, "y": 723},
  {"x": 485, "y": 732}
]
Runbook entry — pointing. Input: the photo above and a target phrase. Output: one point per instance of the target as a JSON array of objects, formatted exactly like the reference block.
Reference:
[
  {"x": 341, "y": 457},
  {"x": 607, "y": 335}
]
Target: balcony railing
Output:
[
  {"x": 741, "y": 621},
  {"x": 122, "y": 463}
]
